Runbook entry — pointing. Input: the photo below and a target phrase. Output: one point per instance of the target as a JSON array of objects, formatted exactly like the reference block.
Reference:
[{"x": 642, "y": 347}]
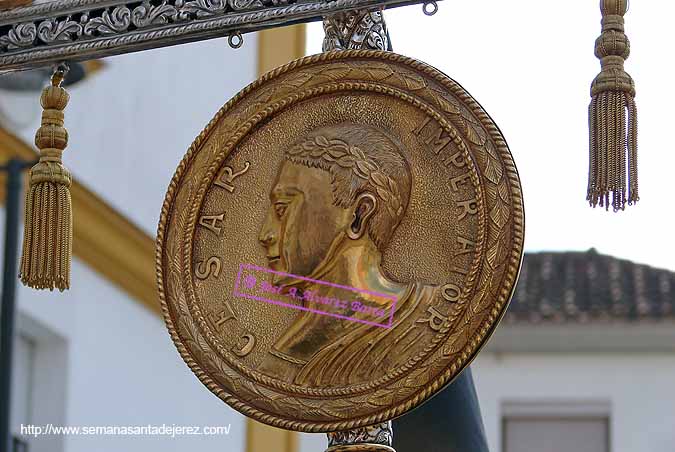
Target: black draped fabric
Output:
[{"x": 449, "y": 422}]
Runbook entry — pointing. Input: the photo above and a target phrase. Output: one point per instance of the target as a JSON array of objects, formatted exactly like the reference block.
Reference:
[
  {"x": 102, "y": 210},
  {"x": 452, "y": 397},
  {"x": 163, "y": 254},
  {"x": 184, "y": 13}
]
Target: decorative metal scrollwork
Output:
[
  {"x": 46, "y": 33},
  {"x": 356, "y": 30},
  {"x": 373, "y": 434},
  {"x": 110, "y": 23},
  {"x": 20, "y": 36},
  {"x": 200, "y": 9},
  {"x": 147, "y": 15},
  {"x": 248, "y": 4}
]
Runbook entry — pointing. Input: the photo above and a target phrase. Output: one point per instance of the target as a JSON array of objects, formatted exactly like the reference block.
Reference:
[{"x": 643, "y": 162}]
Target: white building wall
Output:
[{"x": 639, "y": 388}]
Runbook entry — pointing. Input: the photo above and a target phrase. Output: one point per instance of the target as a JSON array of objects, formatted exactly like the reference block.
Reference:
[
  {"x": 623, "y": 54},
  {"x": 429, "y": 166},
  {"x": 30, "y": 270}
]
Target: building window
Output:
[
  {"x": 22, "y": 389},
  {"x": 39, "y": 376},
  {"x": 555, "y": 427}
]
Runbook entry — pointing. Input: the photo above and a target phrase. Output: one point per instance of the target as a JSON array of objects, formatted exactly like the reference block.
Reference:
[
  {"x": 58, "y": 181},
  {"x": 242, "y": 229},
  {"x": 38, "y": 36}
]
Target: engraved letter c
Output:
[{"x": 248, "y": 348}]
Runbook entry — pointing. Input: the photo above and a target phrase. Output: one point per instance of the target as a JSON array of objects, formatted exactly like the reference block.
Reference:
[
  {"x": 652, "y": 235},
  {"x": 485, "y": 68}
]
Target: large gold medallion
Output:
[{"x": 339, "y": 241}]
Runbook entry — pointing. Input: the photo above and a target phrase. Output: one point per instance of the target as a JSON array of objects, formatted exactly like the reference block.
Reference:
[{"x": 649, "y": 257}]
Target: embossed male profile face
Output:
[
  {"x": 302, "y": 221},
  {"x": 346, "y": 179}
]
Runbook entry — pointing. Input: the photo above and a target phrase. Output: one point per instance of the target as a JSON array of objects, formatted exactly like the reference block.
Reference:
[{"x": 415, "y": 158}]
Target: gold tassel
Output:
[
  {"x": 612, "y": 117},
  {"x": 48, "y": 232}
]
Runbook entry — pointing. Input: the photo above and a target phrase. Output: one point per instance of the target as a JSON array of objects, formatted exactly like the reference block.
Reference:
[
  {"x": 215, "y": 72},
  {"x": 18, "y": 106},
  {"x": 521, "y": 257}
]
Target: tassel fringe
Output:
[
  {"x": 48, "y": 232},
  {"x": 48, "y": 242},
  {"x": 612, "y": 176}
]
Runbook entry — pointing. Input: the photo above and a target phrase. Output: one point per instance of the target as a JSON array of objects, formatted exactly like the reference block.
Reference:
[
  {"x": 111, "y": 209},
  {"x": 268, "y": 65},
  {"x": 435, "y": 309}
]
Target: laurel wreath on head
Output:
[{"x": 352, "y": 157}]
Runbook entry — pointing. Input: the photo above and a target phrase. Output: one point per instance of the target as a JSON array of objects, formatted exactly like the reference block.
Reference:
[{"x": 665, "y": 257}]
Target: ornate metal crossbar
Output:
[{"x": 76, "y": 30}]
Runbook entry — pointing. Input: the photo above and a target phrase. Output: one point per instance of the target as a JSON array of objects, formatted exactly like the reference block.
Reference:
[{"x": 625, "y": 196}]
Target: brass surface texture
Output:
[{"x": 365, "y": 169}]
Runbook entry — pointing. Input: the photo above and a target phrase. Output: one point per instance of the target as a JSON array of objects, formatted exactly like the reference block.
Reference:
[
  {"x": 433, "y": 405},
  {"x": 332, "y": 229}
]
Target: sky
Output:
[{"x": 530, "y": 63}]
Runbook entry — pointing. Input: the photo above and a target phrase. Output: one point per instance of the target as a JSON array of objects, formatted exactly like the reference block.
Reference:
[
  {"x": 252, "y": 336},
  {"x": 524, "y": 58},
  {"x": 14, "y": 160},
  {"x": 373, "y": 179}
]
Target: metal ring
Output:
[
  {"x": 235, "y": 40},
  {"x": 430, "y": 8},
  {"x": 62, "y": 68}
]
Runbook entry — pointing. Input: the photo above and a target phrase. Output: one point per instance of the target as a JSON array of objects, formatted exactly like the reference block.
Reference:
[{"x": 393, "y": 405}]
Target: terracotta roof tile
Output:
[{"x": 583, "y": 287}]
